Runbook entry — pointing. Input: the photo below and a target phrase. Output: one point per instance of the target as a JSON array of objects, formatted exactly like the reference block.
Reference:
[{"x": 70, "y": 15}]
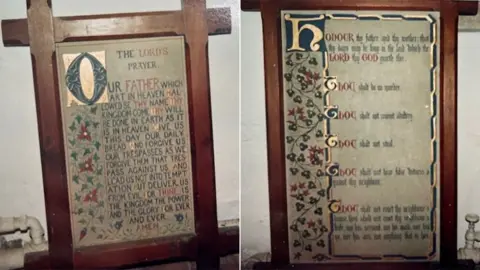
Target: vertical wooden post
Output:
[
  {"x": 196, "y": 35},
  {"x": 42, "y": 48},
  {"x": 448, "y": 133},
  {"x": 276, "y": 166}
]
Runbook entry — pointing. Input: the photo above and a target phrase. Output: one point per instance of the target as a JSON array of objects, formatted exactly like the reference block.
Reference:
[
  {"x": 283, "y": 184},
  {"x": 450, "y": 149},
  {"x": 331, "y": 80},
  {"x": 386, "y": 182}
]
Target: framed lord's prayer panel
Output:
[
  {"x": 124, "y": 107},
  {"x": 361, "y": 135}
]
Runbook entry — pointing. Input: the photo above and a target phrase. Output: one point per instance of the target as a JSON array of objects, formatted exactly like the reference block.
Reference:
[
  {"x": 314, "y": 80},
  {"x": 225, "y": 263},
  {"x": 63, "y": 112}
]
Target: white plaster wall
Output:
[
  {"x": 21, "y": 189},
  {"x": 468, "y": 129},
  {"x": 254, "y": 194}
]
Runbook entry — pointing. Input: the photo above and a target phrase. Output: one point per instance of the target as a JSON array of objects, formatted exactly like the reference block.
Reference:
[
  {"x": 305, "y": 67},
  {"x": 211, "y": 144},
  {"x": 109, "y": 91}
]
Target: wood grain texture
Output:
[
  {"x": 350, "y": 266},
  {"x": 229, "y": 241},
  {"x": 121, "y": 255},
  {"x": 42, "y": 48},
  {"x": 275, "y": 133},
  {"x": 464, "y": 7},
  {"x": 156, "y": 250},
  {"x": 15, "y": 32},
  {"x": 448, "y": 134},
  {"x": 196, "y": 38},
  {"x": 462, "y": 265},
  {"x": 270, "y": 11}
]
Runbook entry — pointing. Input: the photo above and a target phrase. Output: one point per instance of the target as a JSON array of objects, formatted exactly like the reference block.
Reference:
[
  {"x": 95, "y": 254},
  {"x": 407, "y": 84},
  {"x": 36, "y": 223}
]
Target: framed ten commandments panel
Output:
[
  {"x": 361, "y": 135},
  {"x": 125, "y": 118}
]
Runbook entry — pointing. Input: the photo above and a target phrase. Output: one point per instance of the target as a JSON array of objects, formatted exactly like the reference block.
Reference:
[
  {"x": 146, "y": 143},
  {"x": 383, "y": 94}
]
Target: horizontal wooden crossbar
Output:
[
  {"x": 120, "y": 255},
  {"x": 465, "y": 7},
  {"x": 15, "y": 32}
]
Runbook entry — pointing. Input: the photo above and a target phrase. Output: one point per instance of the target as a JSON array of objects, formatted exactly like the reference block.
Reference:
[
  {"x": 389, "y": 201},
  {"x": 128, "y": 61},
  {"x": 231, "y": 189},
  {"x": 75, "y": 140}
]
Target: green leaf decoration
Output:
[
  {"x": 87, "y": 123},
  {"x": 75, "y": 179},
  {"x": 93, "y": 229},
  {"x": 95, "y": 124},
  {"x": 101, "y": 218},
  {"x": 100, "y": 236},
  {"x": 101, "y": 204},
  {"x": 93, "y": 110},
  {"x": 91, "y": 212},
  {"x": 100, "y": 171},
  {"x": 96, "y": 157},
  {"x": 90, "y": 180},
  {"x": 86, "y": 152},
  {"x": 73, "y": 127},
  {"x": 77, "y": 197},
  {"x": 72, "y": 142},
  {"x": 84, "y": 187},
  {"x": 97, "y": 145},
  {"x": 99, "y": 185},
  {"x": 78, "y": 118},
  {"x": 74, "y": 155},
  {"x": 80, "y": 211},
  {"x": 82, "y": 221}
]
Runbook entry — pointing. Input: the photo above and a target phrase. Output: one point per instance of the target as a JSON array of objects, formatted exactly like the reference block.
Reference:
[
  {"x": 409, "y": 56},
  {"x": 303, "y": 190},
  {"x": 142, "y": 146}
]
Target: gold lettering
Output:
[{"x": 317, "y": 33}]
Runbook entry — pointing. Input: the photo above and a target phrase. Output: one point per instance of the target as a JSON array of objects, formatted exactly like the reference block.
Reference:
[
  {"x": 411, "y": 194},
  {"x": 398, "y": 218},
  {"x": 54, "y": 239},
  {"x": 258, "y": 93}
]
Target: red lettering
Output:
[
  {"x": 347, "y": 144},
  {"x": 347, "y": 115},
  {"x": 369, "y": 57},
  {"x": 339, "y": 57}
]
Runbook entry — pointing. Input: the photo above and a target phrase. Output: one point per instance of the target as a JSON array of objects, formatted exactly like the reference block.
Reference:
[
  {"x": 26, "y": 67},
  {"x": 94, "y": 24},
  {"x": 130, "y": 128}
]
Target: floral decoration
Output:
[
  {"x": 85, "y": 166},
  {"x": 305, "y": 157}
]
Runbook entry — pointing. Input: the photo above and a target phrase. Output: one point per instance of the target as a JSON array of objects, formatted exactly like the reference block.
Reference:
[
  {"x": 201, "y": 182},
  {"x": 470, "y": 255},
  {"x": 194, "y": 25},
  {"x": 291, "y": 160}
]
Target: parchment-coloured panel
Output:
[
  {"x": 361, "y": 92},
  {"x": 127, "y": 141}
]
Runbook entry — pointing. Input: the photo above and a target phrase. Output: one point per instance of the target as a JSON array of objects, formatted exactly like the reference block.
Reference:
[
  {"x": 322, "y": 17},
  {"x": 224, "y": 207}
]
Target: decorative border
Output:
[{"x": 331, "y": 112}]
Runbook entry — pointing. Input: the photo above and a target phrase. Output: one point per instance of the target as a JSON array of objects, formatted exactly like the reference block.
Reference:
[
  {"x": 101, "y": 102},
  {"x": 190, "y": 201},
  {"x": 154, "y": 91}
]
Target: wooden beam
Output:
[
  {"x": 42, "y": 49},
  {"x": 448, "y": 134},
  {"x": 141, "y": 252},
  {"x": 196, "y": 39},
  {"x": 465, "y": 8},
  {"x": 15, "y": 32},
  {"x": 346, "y": 4},
  {"x": 250, "y": 5},
  {"x": 229, "y": 241}
]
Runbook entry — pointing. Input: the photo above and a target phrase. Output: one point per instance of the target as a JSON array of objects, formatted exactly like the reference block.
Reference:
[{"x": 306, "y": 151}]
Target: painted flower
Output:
[
  {"x": 311, "y": 224},
  {"x": 320, "y": 257},
  {"x": 314, "y": 155},
  {"x": 87, "y": 166},
  {"x": 179, "y": 217},
  {"x": 300, "y": 110},
  {"x": 84, "y": 133},
  {"x": 297, "y": 255},
  {"x": 91, "y": 197},
  {"x": 118, "y": 225},
  {"x": 316, "y": 149},
  {"x": 83, "y": 233},
  {"x": 321, "y": 243},
  {"x": 293, "y": 187}
]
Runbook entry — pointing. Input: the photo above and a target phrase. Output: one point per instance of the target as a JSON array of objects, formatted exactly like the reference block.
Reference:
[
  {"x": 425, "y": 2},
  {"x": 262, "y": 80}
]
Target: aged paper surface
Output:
[
  {"x": 361, "y": 93},
  {"x": 127, "y": 141}
]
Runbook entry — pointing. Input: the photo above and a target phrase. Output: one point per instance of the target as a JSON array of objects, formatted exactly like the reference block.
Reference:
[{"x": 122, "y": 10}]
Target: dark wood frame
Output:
[
  {"x": 41, "y": 31},
  {"x": 449, "y": 12}
]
